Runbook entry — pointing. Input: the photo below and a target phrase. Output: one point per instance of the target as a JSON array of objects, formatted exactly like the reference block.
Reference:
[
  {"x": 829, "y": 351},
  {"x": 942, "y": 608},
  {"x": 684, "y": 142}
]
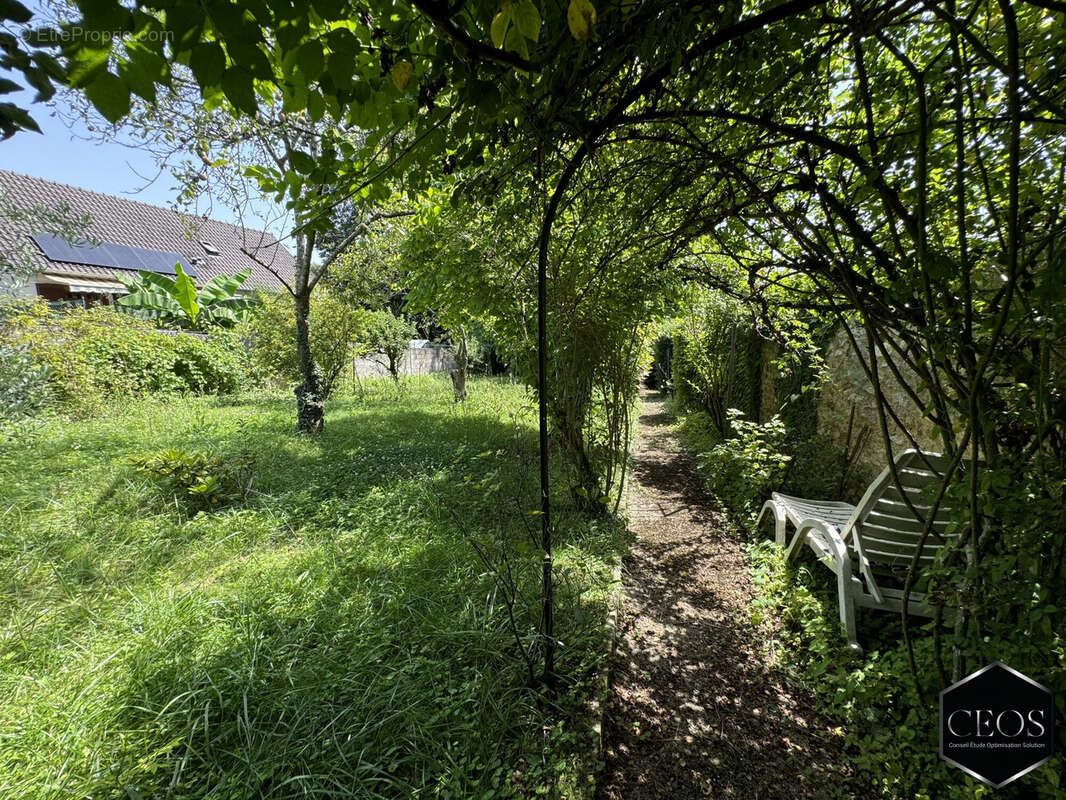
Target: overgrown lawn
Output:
[{"x": 333, "y": 635}]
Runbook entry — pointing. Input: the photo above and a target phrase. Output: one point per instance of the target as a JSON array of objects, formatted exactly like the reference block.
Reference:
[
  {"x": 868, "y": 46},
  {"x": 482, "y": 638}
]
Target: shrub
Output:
[
  {"x": 389, "y": 337},
  {"x": 822, "y": 469},
  {"x": 98, "y": 354},
  {"x": 714, "y": 357},
  {"x": 661, "y": 376},
  {"x": 744, "y": 468},
  {"x": 718, "y": 364},
  {"x": 200, "y": 480},
  {"x": 218, "y": 364},
  {"x": 698, "y": 432},
  {"x": 23, "y": 383},
  {"x": 336, "y": 330}
]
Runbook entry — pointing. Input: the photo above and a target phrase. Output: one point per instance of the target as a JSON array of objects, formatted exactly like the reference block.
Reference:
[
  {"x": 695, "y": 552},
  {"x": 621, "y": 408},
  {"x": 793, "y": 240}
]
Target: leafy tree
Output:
[
  {"x": 605, "y": 283},
  {"x": 177, "y": 301},
  {"x": 388, "y": 338},
  {"x": 707, "y": 353},
  {"x": 337, "y": 334},
  {"x": 369, "y": 270},
  {"x": 251, "y": 162},
  {"x": 410, "y": 105}
]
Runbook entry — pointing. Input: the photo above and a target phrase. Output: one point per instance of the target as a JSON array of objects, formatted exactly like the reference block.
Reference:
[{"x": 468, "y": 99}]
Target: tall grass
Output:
[{"x": 333, "y": 635}]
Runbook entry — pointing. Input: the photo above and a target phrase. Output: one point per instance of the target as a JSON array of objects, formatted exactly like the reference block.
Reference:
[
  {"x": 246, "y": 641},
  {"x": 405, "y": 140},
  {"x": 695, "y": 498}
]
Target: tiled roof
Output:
[{"x": 128, "y": 222}]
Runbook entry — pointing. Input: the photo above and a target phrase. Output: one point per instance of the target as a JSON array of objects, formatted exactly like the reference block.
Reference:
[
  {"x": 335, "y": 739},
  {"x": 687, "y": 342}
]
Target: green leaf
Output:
[
  {"x": 239, "y": 89},
  {"x": 12, "y": 117},
  {"x": 86, "y": 63},
  {"x": 527, "y": 19},
  {"x": 14, "y": 11},
  {"x": 333, "y": 106},
  {"x": 329, "y": 9},
  {"x": 232, "y": 21},
  {"x": 137, "y": 80},
  {"x": 208, "y": 63},
  {"x": 223, "y": 287},
  {"x": 516, "y": 43},
  {"x": 401, "y": 74},
  {"x": 498, "y": 31},
  {"x": 302, "y": 162},
  {"x": 130, "y": 283},
  {"x": 316, "y": 105},
  {"x": 146, "y": 278},
  {"x": 51, "y": 66},
  {"x": 185, "y": 294},
  {"x": 581, "y": 16},
  {"x": 109, "y": 95},
  {"x": 147, "y": 300},
  {"x": 310, "y": 59},
  {"x": 146, "y": 68}
]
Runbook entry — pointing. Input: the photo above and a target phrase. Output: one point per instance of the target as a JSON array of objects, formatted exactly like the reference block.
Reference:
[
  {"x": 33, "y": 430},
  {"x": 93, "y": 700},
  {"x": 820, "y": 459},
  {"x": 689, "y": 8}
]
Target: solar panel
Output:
[
  {"x": 160, "y": 261},
  {"x": 110, "y": 254},
  {"x": 57, "y": 249}
]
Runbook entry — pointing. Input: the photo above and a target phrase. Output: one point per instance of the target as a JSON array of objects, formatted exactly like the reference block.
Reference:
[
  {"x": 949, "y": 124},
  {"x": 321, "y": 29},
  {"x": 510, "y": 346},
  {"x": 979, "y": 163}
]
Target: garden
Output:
[{"x": 750, "y": 442}]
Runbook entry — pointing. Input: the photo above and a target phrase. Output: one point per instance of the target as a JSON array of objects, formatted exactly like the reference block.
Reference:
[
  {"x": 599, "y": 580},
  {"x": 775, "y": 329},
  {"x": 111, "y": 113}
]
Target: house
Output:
[{"x": 121, "y": 237}]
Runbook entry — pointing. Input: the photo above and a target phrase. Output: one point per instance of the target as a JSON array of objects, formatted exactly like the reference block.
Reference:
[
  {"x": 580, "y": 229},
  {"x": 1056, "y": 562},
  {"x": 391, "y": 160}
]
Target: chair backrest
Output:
[{"x": 885, "y": 528}]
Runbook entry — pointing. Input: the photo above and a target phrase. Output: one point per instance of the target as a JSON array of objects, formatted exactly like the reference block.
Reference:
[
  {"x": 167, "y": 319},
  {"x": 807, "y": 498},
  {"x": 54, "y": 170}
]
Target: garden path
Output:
[{"x": 697, "y": 708}]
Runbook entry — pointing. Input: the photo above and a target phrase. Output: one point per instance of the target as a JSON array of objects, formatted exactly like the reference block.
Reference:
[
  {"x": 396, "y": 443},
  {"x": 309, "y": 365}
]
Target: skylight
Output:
[{"x": 209, "y": 248}]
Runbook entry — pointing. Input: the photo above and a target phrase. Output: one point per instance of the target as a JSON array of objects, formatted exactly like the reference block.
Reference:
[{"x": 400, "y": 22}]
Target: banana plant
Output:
[{"x": 176, "y": 301}]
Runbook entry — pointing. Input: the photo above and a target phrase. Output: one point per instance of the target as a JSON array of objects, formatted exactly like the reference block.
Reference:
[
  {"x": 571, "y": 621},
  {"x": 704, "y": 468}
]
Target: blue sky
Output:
[
  {"x": 60, "y": 155},
  {"x": 67, "y": 155}
]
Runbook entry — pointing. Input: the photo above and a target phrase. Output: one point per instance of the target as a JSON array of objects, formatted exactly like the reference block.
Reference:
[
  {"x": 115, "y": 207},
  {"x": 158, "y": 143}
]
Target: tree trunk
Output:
[
  {"x": 462, "y": 363},
  {"x": 585, "y": 489},
  {"x": 310, "y": 394}
]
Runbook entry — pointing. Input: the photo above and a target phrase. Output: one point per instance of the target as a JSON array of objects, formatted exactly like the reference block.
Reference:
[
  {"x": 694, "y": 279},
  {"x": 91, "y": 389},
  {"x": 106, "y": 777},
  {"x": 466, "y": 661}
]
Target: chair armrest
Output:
[
  {"x": 838, "y": 548},
  {"x": 834, "y": 542}
]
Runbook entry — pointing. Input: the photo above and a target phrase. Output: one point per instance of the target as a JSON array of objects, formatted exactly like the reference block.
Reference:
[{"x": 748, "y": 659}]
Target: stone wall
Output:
[{"x": 848, "y": 386}]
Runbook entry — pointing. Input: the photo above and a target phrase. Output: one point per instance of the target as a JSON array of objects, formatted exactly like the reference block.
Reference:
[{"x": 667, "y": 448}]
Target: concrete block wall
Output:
[{"x": 416, "y": 361}]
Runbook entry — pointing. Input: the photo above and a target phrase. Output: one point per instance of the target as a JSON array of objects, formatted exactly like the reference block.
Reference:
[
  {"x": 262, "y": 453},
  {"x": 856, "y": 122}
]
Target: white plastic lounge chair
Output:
[{"x": 879, "y": 533}]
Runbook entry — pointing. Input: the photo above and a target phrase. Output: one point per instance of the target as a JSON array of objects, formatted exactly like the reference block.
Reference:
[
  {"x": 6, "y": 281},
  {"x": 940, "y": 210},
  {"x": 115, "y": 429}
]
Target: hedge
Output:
[{"x": 96, "y": 355}]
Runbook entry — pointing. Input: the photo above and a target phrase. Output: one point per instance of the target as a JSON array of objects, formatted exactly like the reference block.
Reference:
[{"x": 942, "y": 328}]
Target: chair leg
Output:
[
  {"x": 847, "y": 609},
  {"x": 779, "y": 522},
  {"x": 798, "y": 538}
]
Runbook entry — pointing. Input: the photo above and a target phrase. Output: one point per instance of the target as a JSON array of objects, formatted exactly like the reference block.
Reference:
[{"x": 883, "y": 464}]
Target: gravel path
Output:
[{"x": 696, "y": 710}]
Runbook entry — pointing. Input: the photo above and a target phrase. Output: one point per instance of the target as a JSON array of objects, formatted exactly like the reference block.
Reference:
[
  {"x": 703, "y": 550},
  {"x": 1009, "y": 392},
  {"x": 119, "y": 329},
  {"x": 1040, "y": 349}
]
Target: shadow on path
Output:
[{"x": 695, "y": 709}]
